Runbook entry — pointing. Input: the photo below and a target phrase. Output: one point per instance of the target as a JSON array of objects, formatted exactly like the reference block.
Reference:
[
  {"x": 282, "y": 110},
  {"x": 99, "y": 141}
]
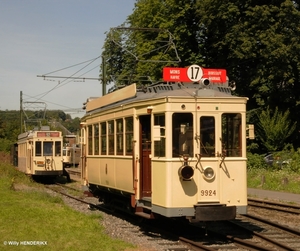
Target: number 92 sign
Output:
[{"x": 194, "y": 73}]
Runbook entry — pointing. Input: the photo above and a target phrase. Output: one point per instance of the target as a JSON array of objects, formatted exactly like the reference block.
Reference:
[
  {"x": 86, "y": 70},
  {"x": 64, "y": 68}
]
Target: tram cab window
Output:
[
  {"x": 232, "y": 134},
  {"x": 160, "y": 145},
  {"x": 57, "y": 148},
  {"x": 129, "y": 135},
  {"x": 48, "y": 148},
  {"x": 182, "y": 137},
  {"x": 38, "y": 148},
  {"x": 207, "y": 136},
  {"x": 103, "y": 138}
]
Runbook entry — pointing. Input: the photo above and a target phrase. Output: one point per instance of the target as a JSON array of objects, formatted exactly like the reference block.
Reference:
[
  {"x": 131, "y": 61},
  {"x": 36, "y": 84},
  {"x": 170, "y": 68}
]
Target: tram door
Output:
[{"x": 145, "y": 152}]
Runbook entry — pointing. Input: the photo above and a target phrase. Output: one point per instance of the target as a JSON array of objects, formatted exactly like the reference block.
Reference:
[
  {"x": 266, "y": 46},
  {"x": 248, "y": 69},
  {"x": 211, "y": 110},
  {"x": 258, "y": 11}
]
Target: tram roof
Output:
[{"x": 130, "y": 94}]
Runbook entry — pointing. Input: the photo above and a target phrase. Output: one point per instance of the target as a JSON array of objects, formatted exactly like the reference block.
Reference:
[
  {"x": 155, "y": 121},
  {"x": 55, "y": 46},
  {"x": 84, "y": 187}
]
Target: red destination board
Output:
[
  {"x": 193, "y": 73},
  {"x": 47, "y": 134},
  {"x": 175, "y": 74}
]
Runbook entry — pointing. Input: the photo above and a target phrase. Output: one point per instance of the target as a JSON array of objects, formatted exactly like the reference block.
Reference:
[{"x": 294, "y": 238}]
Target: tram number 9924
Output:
[{"x": 208, "y": 193}]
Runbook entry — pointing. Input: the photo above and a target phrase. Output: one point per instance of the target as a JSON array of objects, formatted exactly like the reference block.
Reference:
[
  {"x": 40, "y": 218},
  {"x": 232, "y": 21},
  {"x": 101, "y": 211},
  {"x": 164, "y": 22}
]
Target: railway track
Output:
[
  {"x": 247, "y": 232},
  {"x": 276, "y": 206}
]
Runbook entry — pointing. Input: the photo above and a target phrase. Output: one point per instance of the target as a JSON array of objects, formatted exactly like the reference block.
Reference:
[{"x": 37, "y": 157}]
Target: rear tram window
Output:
[
  {"x": 48, "y": 148},
  {"x": 207, "y": 136},
  {"x": 160, "y": 145},
  {"x": 90, "y": 140},
  {"x": 103, "y": 138},
  {"x": 96, "y": 139},
  {"x": 119, "y": 123},
  {"x": 129, "y": 135},
  {"x": 232, "y": 134},
  {"x": 57, "y": 148},
  {"x": 111, "y": 137},
  {"x": 38, "y": 148},
  {"x": 182, "y": 134}
]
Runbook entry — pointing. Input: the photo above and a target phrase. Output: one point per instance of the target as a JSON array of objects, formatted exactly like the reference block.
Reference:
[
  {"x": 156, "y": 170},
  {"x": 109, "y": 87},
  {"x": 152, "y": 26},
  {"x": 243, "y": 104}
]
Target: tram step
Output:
[{"x": 144, "y": 215}]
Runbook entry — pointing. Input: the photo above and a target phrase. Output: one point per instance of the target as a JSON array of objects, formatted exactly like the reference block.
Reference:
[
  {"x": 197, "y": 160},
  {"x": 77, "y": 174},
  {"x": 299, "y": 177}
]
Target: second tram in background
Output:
[
  {"x": 173, "y": 149},
  {"x": 39, "y": 152},
  {"x": 71, "y": 155}
]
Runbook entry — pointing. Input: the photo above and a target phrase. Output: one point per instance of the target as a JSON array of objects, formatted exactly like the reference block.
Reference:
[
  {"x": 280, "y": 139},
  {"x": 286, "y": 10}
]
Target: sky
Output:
[{"x": 58, "y": 38}]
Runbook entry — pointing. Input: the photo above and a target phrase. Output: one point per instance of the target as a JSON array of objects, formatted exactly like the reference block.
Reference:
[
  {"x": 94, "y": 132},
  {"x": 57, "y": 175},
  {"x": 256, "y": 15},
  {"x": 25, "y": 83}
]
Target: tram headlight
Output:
[
  {"x": 48, "y": 161},
  {"x": 209, "y": 173},
  {"x": 186, "y": 172}
]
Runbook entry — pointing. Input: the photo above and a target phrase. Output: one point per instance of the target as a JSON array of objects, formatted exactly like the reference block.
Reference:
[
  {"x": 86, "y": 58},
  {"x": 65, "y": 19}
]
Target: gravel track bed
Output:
[{"x": 115, "y": 227}]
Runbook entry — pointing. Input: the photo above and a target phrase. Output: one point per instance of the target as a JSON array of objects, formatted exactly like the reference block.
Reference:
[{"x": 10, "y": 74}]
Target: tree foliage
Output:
[
  {"x": 256, "y": 41},
  {"x": 10, "y": 124},
  {"x": 274, "y": 128}
]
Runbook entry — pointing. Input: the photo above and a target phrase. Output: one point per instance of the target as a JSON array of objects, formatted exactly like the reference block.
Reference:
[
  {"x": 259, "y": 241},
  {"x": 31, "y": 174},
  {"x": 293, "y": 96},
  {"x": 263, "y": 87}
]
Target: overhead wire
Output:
[{"x": 59, "y": 84}]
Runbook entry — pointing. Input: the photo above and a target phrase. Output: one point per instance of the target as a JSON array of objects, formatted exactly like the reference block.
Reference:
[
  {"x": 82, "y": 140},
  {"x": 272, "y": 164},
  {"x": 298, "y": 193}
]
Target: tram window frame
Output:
[
  {"x": 111, "y": 137},
  {"x": 57, "y": 146},
  {"x": 103, "y": 136},
  {"x": 160, "y": 145},
  {"x": 38, "y": 148},
  {"x": 232, "y": 134},
  {"x": 47, "y": 148},
  {"x": 90, "y": 139},
  {"x": 129, "y": 126},
  {"x": 207, "y": 136},
  {"x": 96, "y": 139},
  {"x": 120, "y": 136},
  {"x": 182, "y": 131}
]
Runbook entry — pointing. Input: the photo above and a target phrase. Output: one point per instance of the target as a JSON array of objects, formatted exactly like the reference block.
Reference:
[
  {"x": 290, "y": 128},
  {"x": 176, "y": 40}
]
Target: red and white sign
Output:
[
  {"x": 175, "y": 74},
  {"x": 193, "y": 73}
]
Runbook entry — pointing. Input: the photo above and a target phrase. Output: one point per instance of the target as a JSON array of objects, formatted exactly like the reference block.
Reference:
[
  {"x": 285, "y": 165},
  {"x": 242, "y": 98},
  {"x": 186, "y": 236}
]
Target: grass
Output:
[
  {"x": 276, "y": 180},
  {"x": 30, "y": 214}
]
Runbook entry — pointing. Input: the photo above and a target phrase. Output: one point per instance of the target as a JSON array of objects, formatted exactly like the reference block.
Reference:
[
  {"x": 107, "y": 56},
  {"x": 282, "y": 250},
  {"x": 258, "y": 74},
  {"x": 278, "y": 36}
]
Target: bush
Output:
[
  {"x": 5, "y": 145},
  {"x": 255, "y": 161}
]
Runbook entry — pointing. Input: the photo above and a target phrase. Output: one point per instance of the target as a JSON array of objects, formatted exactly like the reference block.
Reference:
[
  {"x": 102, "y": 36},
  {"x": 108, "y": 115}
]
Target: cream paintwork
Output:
[
  {"x": 112, "y": 173},
  {"x": 168, "y": 190},
  {"x": 27, "y": 162}
]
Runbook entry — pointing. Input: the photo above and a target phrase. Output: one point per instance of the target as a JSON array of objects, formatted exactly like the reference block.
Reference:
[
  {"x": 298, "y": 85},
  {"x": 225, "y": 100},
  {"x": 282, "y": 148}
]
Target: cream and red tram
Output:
[
  {"x": 40, "y": 152},
  {"x": 176, "y": 149}
]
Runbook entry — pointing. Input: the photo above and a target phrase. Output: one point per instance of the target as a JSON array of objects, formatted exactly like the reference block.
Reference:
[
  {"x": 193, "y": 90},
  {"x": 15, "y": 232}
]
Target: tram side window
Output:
[
  {"x": 96, "y": 139},
  {"x": 103, "y": 138},
  {"x": 119, "y": 123},
  {"x": 207, "y": 136},
  {"x": 160, "y": 145},
  {"x": 48, "y": 148},
  {"x": 38, "y": 148},
  {"x": 57, "y": 148},
  {"x": 232, "y": 134},
  {"x": 129, "y": 135},
  {"x": 90, "y": 140},
  {"x": 182, "y": 134},
  {"x": 111, "y": 137}
]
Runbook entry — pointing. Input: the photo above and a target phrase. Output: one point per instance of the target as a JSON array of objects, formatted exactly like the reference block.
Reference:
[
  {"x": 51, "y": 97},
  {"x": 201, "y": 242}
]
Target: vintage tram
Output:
[
  {"x": 71, "y": 155},
  {"x": 173, "y": 149},
  {"x": 40, "y": 152}
]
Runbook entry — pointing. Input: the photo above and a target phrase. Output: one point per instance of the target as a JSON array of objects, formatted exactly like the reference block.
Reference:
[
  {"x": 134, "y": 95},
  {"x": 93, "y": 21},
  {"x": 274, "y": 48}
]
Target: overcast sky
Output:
[{"x": 43, "y": 36}]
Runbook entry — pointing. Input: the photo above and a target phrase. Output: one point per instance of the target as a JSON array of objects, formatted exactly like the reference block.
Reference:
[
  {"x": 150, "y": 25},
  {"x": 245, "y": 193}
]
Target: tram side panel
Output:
[{"x": 111, "y": 173}]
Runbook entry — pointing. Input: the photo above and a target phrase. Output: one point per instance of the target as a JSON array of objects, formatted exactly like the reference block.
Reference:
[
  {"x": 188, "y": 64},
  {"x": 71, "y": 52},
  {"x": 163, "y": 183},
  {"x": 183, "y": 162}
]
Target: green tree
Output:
[
  {"x": 256, "y": 41},
  {"x": 160, "y": 33},
  {"x": 274, "y": 128}
]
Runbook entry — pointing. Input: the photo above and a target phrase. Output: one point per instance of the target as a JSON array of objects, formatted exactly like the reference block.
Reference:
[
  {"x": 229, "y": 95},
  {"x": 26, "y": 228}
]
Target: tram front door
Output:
[{"x": 145, "y": 152}]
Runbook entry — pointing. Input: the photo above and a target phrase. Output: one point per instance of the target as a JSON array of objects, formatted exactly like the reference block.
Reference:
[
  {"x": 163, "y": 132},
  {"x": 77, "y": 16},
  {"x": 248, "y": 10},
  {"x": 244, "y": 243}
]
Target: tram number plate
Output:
[{"x": 208, "y": 193}]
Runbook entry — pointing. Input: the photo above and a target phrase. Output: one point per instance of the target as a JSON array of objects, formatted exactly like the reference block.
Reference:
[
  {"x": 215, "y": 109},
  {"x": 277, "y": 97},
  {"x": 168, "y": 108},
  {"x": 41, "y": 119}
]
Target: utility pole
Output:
[
  {"x": 21, "y": 112},
  {"x": 103, "y": 77}
]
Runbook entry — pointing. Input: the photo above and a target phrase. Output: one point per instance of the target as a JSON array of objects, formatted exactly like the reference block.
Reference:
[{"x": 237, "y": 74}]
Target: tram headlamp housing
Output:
[
  {"x": 186, "y": 172},
  {"x": 48, "y": 161},
  {"x": 209, "y": 173}
]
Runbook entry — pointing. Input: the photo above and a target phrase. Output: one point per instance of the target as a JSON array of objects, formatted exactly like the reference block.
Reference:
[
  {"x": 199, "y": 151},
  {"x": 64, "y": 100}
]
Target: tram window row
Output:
[{"x": 115, "y": 137}]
